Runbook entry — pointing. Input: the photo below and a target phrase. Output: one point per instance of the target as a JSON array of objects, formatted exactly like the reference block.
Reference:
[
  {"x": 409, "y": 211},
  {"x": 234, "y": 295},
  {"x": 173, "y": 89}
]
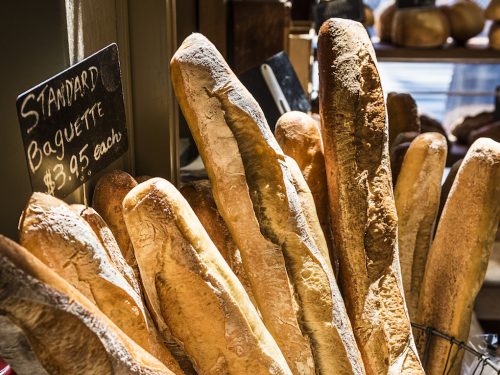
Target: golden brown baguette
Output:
[
  {"x": 255, "y": 193},
  {"x": 192, "y": 288},
  {"x": 156, "y": 346},
  {"x": 417, "y": 202},
  {"x": 199, "y": 196},
  {"x": 66, "y": 333},
  {"x": 107, "y": 201},
  {"x": 61, "y": 239},
  {"x": 299, "y": 137},
  {"x": 456, "y": 266},
  {"x": 203, "y": 83},
  {"x": 360, "y": 193}
]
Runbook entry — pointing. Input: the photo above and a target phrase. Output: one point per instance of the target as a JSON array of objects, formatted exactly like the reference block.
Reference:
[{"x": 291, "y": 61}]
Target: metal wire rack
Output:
[{"x": 484, "y": 361}]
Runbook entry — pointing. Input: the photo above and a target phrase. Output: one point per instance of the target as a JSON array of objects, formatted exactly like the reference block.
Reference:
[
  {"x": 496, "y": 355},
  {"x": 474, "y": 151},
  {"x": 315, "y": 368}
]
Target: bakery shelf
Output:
[{"x": 476, "y": 52}]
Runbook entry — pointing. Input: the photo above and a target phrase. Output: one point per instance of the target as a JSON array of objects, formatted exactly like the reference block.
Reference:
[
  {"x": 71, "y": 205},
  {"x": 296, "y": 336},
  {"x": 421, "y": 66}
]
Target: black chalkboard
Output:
[
  {"x": 349, "y": 9},
  {"x": 415, "y": 3},
  {"x": 497, "y": 104},
  {"x": 73, "y": 125}
]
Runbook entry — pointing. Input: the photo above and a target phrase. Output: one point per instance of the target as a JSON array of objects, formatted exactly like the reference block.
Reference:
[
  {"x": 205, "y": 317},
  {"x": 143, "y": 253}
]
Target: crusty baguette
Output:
[
  {"x": 156, "y": 345},
  {"x": 446, "y": 188},
  {"x": 456, "y": 266},
  {"x": 417, "y": 202},
  {"x": 65, "y": 332},
  {"x": 192, "y": 288},
  {"x": 360, "y": 193},
  {"x": 299, "y": 137},
  {"x": 107, "y": 201},
  {"x": 255, "y": 193},
  {"x": 402, "y": 115},
  {"x": 202, "y": 81},
  {"x": 199, "y": 196},
  {"x": 60, "y": 238}
]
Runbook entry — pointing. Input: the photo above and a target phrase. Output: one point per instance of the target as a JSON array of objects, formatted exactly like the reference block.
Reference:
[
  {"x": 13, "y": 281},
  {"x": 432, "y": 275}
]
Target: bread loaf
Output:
[
  {"x": 369, "y": 19},
  {"x": 402, "y": 115},
  {"x": 360, "y": 193},
  {"x": 299, "y": 137},
  {"x": 65, "y": 332},
  {"x": 429, "y": 124},
  {"x": 488, "y": 131},
  {"x": 446, "y": 187},
  {"x": 107, "y": 201},
  {"x": 492, "y": 11},
  {"x": 462, "y": 128},
  {"x": 199, "y": 196},
  {"x": 156, "y": 346},
  {"x": 384, "y": 24},
  {"x": 417, "y": 201},
  {"x": 192, "y": 288},
  {"x": 255, "y": 192},
  {"x": 456, "y": 266},
  {"x": 466, "y": 19},
  {"x": 420, "y": 28}
]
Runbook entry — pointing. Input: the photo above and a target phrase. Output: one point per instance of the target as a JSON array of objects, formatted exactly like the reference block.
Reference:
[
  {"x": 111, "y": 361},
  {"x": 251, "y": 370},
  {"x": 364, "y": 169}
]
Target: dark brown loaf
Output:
[
  {"x": 492, "y": 11},
  {"x": 398, "y": 151},
  {"x": 456, "y": 268},
  {"x": 199, "y": 196},
  {"x": 360, "y": 192},
  {"x": 192, "y": 288},
  {"x": 488, "y": 131},
  {"x": 402, "y": 115},
  {"x": 384, "y": 23},
  {"x": 65, "y": 332},
  {"x": 462, "y": 129},
  {"x": 466, "y": 19},
  {"x": 256, "y": 194}
]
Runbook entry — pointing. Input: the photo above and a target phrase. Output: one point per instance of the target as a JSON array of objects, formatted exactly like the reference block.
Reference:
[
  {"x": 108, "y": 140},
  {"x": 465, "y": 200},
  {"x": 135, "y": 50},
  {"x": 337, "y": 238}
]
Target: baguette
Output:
[
  {"x": 254, "y": 191},
  {"x": 56, "y": 329},
  {"x": 156, "y": 346},
  {"x": 360, "y": 193},
  {"x": 187, "y": 279},
  {"x": 199, "y": 196},
  {"x": 61, "y": 239},
  {"x": 455, "y": 270},
  {"x": 299, "y": 137},
  {"x": 417, "y": 202},
  {"x": 107, "y": 201}
]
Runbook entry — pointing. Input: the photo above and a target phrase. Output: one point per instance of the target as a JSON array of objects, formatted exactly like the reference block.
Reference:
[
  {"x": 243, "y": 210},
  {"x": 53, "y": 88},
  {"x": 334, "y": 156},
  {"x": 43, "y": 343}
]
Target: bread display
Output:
[
  {"x": 402, "y": 115},
  {"x": 199, "y": 196},
  {"x": 299, "y": 137},
  {"x": 420, "y": 28},
  {"x": 183, "y": 271},
  {"x": 255, "y": 193},
  {"x": 364, "y": 227},
  {"x": 107, "y": 201},
  {"x": 384, "y": 23},
  {"x": 49, "y": 327},
  {"x": 455, "y": 269},
  {"x": 466, "y": 19},
  {"x": 417, "y": 201}
]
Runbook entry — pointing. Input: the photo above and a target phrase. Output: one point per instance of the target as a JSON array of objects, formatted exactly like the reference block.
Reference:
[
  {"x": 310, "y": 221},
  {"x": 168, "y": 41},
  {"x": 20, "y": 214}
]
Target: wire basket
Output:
[{"x": 484, "y": 361}]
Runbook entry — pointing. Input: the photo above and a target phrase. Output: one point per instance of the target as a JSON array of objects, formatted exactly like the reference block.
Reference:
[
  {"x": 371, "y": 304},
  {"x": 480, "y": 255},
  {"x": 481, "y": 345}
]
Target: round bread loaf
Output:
[
  {"x": 420, "y": 28},
  {"x": 384, "y": 23},
  {"x": 369, "y": 18},
  {"x": 492, "y": 12},
  {"x": 466, "y": 20},
  {"x": 495, "y": 36}
]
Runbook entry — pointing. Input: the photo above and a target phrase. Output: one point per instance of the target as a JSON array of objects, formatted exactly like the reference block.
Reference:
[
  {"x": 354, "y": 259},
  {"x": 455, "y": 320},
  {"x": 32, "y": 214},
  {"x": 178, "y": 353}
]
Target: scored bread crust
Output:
[
  {"x": 456, "y": 268},
  {"x": 193, "y": 289},
  {"x": 61, "y": 239},
  {"x": 360, "y": 192},
  {"x": 199, "y": 196},
  {"x": 263, "y": 202},
  {"x": 203, "y": 84},
  {"x": 299, "y": 137},
  {"x": 417, "y": 195},
  {"x": 66, "y": 332}
]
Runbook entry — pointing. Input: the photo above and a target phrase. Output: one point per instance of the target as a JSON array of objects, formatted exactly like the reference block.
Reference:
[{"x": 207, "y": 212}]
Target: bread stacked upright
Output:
[{"x": 253, "y": 187}]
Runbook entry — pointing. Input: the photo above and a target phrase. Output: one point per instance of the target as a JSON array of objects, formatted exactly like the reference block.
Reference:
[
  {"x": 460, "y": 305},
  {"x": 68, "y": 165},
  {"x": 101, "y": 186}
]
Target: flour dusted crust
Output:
[
  {"x": 417, "y": 194},
  {"x": 192, "y": 288},
  {"x": 199, "y": 196},
  {"x": 360, "y": 192},
  {"x": 456, "y": 268},
  {"x": 257, "y": 195},
  {"x": 65, "y": 332},
  {"x": 216, "y": 105}
]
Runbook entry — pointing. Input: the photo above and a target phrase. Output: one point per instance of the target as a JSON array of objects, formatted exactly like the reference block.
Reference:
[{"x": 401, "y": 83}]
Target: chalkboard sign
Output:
[
  {"x": 415, "y": 3},
  {"x": 349, "y": 9},
  {"x": 73, "y": 125},
  {"x": 497, "y": 104}
]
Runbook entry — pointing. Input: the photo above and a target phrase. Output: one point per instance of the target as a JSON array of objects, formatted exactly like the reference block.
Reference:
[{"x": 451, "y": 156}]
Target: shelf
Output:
[{"x": 476, "y": 52}]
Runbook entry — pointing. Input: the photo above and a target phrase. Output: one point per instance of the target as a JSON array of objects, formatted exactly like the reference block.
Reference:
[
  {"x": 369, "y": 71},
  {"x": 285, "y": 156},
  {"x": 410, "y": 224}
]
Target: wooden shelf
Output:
[{"x": 476, "y": 52}]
